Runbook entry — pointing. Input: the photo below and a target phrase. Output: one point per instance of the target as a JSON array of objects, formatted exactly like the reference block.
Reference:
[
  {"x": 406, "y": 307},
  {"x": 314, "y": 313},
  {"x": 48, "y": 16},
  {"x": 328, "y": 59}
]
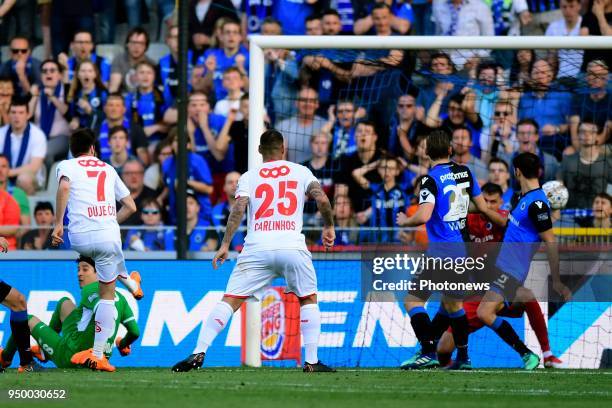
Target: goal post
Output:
[{"x": 257, "y": 86}]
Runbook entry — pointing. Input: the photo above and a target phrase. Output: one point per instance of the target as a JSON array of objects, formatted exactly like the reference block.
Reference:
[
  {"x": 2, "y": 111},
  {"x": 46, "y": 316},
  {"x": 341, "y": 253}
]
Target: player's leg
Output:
[
  {"x": 445, "y": 347},
  {"x": 63, "y": 308},
  {"x": 460, "y": 326},
  {"x": 251, "y": 273},
  {"x": 299, "y": 273},
  {"x": 16, "y": 301},
  {"x": 107, "y": 257},
  {"x": 131, "y": 281},
  {"x": 440, "y": 323},
  {"x": 532, "y": 308},
  {"x": 487, "y": 312}
]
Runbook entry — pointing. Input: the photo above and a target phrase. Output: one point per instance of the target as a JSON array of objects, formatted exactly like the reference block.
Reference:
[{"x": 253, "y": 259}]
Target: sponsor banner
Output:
[
  {"x": 280, "y": 326},
  {"x": 179, "y": 295}
]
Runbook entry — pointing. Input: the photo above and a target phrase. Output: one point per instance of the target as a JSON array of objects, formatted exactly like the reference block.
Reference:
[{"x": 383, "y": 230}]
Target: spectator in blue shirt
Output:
[
  {"x": 199, "y": 236},
  {"x": 215, "y": 61},
  {"x": 147, "y": 239},
  {"x": 341, "y": 119},
  {"x": 86, "y": 97},
  {"x": 552, "y": 108},
  {"x": 292, "y": 14},
  {"x": 401, "y": 18},
  {"x": 146, "y": 106},
  {"x": 387, "y": 199},
  {"x": 199, "y": 180},
  {"x": 331, "y": 22},
  {"x": 83, "y": 48},
  {"x": 120, "y": 148},
  {"x": 23, "y": 70}
]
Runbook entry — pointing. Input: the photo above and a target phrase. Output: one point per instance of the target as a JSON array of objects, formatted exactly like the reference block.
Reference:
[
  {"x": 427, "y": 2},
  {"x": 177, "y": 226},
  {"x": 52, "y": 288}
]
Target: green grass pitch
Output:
[{"x": 355, "y": 388}]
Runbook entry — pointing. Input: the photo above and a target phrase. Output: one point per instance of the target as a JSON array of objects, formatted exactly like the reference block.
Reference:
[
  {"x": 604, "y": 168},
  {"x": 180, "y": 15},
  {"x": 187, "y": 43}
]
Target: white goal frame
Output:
[{"x": 257, "y": 85}]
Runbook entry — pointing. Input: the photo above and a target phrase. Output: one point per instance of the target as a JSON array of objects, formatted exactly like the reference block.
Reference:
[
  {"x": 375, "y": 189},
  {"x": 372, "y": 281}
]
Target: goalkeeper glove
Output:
[{"x": 123, "y": 351}]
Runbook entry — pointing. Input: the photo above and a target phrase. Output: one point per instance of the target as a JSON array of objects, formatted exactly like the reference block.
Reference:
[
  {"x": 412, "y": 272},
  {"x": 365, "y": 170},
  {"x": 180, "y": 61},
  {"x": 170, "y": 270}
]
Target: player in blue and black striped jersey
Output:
[
  {"x": 444, "y": 200},
  {"x": 529, "y": 223}
]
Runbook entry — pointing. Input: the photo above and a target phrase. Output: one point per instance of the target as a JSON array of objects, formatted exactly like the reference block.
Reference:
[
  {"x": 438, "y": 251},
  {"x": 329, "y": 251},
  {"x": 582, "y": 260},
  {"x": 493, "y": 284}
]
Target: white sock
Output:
[
  {"x": 216, "y": 322},
  {"x": 106, "y": 315},
  {"x": 547, "y": 353},
  {"x": 128, "y": 282},
  {"x": 310, "y": 324}
]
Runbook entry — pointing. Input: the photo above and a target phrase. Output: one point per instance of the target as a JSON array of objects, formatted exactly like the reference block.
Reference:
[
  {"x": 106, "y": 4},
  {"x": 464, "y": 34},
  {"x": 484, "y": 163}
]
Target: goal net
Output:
[{"x": 358, "y": 111}]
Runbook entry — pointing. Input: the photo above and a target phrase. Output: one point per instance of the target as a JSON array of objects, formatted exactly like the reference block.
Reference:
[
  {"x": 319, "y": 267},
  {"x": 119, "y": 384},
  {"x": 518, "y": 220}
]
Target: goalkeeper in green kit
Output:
[{"x": 72, "y": 329}]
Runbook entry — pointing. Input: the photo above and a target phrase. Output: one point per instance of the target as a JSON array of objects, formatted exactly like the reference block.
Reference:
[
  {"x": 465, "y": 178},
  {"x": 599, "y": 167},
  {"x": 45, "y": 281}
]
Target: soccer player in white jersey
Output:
[
  {"x": 89, "y": 188},
  {"x": 274, "y": 246}
]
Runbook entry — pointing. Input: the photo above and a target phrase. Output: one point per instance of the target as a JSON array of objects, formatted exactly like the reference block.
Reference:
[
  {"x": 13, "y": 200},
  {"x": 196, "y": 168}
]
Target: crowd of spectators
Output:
[{"x": 359, "y": 121}]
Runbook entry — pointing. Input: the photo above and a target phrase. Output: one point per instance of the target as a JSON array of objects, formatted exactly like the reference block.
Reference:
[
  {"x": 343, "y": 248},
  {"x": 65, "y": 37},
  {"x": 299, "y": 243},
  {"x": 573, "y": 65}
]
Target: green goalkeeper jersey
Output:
[{"x": 79, "y": 326}]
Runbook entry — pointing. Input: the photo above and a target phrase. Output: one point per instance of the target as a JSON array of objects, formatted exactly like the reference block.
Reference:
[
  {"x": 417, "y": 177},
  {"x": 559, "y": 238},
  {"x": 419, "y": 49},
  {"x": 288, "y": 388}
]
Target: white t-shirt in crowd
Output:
[
  {"x": 95, "y": 189},
  {"x": 276, "y": 192},
  {"x": 570, "y": 61},
  {"x": 37, "y": 148}
]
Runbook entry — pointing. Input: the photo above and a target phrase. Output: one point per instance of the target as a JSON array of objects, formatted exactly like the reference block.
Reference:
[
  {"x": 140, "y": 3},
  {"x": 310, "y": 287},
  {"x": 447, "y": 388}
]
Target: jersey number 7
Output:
[
  {"x": 267, "y": 192},
  {"x": 101, "y": 175}
]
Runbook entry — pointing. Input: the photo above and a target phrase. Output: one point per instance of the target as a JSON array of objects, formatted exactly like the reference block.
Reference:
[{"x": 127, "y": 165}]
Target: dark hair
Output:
[
  {"x": 76, "y": 86},
  {"x": 457, "y": 98},
  {"x": 21, "y": 37},
  {"x": 115, "y": 95},
  {"x": 17, "y": 100},
  {"x": 244, "y": 97},
  {"x": 117, "y": 129},
  {"x": 138, "y": 31},
  {"x": 438, "y": 144},
  {"x": 591, "y": 120},
  {"x": 229, "y": 20},
  {"x": 366, "y": 122},
  {"x": 528, "y": 164},
  {"x": 463, "y": 127},
  {"x": 486, "y": 65},
  {"x": 529, "y": 121},
  {"x": 43, "y": 206},
  {"x": 444, "y": 55},
  {"x": 146, "y": 63},
  {"x": 59, "y": 66},
  {"x": 5, "y": 157},
  {"x": 152, "y": 201},
  {"x": 329, "y": 12},
  {"x": 605, "y": 196},
  {"x": 498, "y": 160},
  {"x": 492, "y": 188},
  {"x": 86, "y": 259},
  {"x": 5, "y": 78},
  {"x": 312, "y": 17},
  {"x": 271, "y": 141},
  {"x": 379, "y": 6},
  {"x": 81, "y": 141},
  {"x": 83, "y": 31},
  {"x": 271, "y": 20}
]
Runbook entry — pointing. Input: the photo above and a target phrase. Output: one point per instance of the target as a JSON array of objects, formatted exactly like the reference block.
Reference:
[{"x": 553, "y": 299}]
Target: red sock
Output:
[{"x": 536, "y": 320}]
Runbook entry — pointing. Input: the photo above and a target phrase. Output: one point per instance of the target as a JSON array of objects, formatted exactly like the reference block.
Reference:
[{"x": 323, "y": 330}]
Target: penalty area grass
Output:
[{"x": 271, "y": 387}]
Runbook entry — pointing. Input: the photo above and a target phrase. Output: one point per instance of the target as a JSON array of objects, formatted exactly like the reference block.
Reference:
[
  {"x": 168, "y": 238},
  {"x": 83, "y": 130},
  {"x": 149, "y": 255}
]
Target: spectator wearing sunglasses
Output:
[
  {"x": 22, "y": 68},
  {"x": 133, "y": 177},
  {"x": 152, "y": 238}
]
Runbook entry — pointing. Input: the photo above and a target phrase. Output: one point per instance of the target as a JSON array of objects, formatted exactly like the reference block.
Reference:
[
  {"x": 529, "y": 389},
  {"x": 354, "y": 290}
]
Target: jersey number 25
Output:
[{"x": 266, "y": 191}]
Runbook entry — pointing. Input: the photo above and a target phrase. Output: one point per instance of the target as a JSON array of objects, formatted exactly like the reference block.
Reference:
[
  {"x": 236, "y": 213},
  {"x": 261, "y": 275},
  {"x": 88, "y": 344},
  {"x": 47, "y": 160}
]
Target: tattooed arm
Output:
[
  {"x": 315, "y": 192},
  {"x": 233, "y": 222}
]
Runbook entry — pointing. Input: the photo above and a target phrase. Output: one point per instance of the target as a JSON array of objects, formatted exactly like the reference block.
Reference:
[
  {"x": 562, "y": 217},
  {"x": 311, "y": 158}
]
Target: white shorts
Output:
[
  {"x": 254, "y": 272},
  {"x": 107, "y": 255}
]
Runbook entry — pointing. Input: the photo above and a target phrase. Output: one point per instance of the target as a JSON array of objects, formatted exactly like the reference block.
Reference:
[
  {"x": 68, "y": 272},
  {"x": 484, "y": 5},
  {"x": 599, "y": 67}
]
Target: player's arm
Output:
[
  {"x": 315, "y": 192},
  {"x": 539, "y": 214},
  {"x": 494, "y": 216},
  {"x": 427, "y": 202},
  {"x": 359, "y": 174},
  {"x": 133, "y": 331},
  {"x": 420, "y": 217},
  {"x": 233, "y": 222},
  {"x": 128, "y": 207},
  {"x": 61, "y": 201}
]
